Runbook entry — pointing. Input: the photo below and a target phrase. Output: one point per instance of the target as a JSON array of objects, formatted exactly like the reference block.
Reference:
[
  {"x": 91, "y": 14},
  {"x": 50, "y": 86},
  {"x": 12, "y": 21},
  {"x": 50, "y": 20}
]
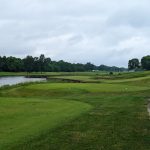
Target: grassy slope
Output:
[
  {"x": 118, "y": 120},
  {"x": 105, "y": 77},
  {"x": 117, "y": 123},
  {"x": 54, "y": 73},
  {"x": 22, "y": 118},
  {"x": 58, "y": 90}
]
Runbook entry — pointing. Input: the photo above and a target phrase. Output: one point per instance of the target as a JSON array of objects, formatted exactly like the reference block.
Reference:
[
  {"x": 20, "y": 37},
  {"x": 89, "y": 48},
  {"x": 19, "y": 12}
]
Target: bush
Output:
[{"x": 111, "y": 73}]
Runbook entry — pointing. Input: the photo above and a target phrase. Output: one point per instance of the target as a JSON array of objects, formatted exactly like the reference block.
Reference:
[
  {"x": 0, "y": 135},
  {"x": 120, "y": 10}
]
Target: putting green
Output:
[{"x": 22, "y": 119}]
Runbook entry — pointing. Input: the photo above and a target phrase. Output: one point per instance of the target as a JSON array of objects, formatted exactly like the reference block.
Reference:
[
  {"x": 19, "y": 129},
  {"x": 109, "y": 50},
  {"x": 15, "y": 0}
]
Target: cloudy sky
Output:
[{"x": 99, "y": 31}]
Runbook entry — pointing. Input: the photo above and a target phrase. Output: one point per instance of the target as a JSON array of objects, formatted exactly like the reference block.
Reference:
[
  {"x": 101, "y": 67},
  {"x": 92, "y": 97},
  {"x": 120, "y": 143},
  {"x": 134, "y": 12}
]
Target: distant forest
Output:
[{"x": 43, "y": 64}]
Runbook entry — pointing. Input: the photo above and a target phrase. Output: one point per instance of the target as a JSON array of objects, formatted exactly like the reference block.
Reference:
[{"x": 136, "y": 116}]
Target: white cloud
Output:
[{"x": 100, "y": 31}]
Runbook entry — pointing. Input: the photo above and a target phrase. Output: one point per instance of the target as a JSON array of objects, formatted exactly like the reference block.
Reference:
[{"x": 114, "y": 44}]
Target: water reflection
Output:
[{"x": 16, "y": 80}]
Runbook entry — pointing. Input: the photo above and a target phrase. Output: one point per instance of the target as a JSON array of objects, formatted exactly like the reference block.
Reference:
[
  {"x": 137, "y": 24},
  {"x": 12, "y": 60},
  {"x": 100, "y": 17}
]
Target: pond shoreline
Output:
[{"x": 14, "y": 80}]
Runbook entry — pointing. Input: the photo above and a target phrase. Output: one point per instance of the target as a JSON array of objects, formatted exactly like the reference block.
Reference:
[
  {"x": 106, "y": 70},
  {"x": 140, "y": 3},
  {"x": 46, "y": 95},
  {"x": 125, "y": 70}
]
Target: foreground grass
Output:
[
  {"x": 117, "y": 123},
  {"x": 22, "y": 119},
  {"x": 100, "y": 116}
]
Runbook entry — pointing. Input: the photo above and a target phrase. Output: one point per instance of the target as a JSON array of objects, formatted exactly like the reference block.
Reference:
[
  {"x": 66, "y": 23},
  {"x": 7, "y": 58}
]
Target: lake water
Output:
[{"x": 16, "y": 80}]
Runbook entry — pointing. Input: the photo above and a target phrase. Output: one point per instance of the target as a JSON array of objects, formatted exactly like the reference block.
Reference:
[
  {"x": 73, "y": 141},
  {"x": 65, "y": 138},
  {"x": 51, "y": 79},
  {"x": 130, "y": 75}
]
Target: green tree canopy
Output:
[
  {"x": 133, "y": 64},
  {"x": 45, "y": 64},
  {"x": 145, "y": 62}
]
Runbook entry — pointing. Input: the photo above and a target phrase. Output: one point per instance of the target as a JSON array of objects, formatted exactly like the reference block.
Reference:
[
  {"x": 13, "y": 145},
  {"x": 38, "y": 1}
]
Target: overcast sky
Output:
[{"x": 99, "y": 31}]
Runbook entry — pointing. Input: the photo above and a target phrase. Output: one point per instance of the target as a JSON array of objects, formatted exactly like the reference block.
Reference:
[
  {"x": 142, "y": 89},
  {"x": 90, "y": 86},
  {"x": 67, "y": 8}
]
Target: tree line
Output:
[
  {"x": 136, "y": 64},
  {"x": 44, "y": 64}
]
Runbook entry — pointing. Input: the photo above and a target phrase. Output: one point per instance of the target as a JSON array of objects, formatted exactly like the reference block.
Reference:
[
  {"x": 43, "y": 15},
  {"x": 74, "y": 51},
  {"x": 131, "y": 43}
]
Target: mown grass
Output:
[
  {"x": 53, "y": 73},
  {"x": 22, "y": 119},
  {"x": 105, "y": 76},
  {"x": 68, "y": 89},
  {"x": 115, "y": 123},
  {"x": 106, "y": 116},
  {"x": 142, "y": 81}
]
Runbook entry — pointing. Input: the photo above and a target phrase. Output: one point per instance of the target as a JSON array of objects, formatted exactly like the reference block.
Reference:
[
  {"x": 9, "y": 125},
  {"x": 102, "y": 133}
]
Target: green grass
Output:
[
  {"x": 115, "y": 123},
  {"x": 53, "y": 73},
  {"x": 87, "y": 88},
  {"x": 21, "y": 118},
  {"x": 111, "y": 115},
  {"x": 105, "y": 77},
  {"x": 141, "y": 81},
  {"x": 68, "y": 89}
]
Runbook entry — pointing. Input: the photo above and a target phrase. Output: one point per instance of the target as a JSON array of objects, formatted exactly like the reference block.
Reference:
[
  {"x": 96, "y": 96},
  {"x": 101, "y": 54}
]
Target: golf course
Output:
[
  {"x": 76, "y": 111},
  {"x": 74, "y": 75}
]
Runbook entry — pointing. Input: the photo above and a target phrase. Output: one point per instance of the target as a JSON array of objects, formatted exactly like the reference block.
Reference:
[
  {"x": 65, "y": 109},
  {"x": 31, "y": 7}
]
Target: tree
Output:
[
  {"x": 89, "y": 66},
  {"x": 14, "y": 64},
  {"x": 133, "y": 64},
  {"x": 36, "y": 64},
  {"x": 79, "y": 67},
  {"x": 47, "y": 65},
  {"x": 145, "y": 62},
  {"x": 1, "y": 63},
  {"x": 28, "y": 63},
  {"x": 41, "y": 62}
]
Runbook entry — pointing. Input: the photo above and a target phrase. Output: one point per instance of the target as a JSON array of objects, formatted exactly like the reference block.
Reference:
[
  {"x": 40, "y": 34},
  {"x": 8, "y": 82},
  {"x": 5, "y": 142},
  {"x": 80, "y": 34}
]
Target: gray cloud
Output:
[{"x": 100, "y": 31}]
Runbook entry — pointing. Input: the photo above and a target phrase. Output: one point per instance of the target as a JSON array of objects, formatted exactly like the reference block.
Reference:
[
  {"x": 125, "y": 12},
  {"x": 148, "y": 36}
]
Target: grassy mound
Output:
[{"x": 22, "y": 119}]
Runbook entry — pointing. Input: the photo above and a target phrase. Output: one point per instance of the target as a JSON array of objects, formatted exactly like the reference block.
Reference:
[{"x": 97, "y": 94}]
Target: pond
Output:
[{"x": 18, "y": 79}]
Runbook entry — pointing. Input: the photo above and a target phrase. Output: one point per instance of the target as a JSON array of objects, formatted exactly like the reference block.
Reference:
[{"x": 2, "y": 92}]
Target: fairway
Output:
[
  {"x": 107, "y": 115},
  {"x": 87, "y": 87},
  {"x": 22, "y": 119},
  {"x": 64, "y": 89}
]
